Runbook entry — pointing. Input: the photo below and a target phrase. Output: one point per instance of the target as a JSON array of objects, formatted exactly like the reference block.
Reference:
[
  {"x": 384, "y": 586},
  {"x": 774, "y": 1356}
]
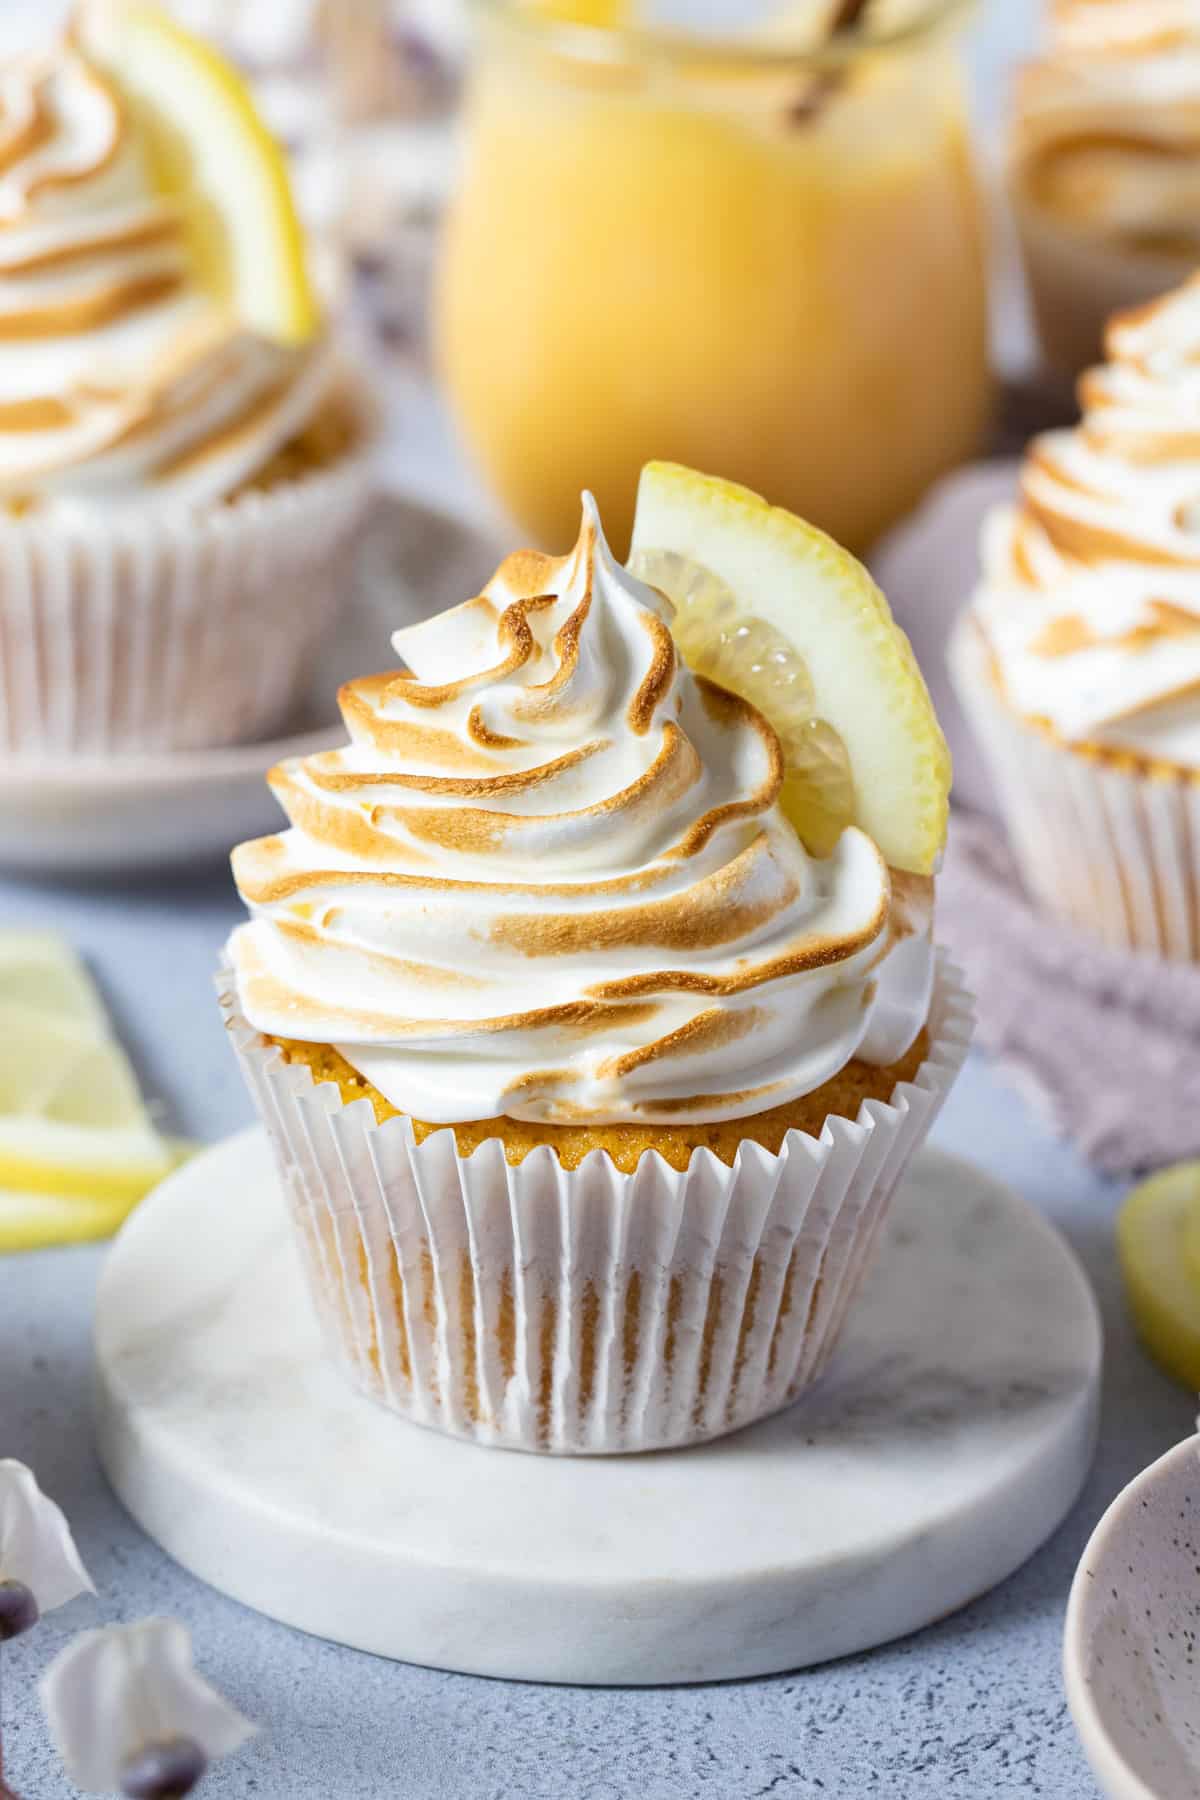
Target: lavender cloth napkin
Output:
[{"x": 1106, "y": 1043}]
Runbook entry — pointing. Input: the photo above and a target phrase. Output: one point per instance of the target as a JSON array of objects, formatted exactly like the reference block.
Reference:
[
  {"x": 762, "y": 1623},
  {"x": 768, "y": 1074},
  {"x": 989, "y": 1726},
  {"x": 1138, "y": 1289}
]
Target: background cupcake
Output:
[
  {"x": 588, "y": 1082},
  {"x": 1079, "y": 661},
  {"x": 1104, "y": 151},
  {"x": 182, "y": 455}
]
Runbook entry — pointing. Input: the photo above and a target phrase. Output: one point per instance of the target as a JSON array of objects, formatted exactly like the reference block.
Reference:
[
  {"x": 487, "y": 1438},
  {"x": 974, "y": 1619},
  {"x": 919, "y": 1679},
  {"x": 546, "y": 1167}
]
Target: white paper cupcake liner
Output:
[
  {"x": 586, "y": 1311},
  {"x": 1077, "y": 283},
  {"x": 129, "y": 634},
  {"x": 1105, "y": 848}
]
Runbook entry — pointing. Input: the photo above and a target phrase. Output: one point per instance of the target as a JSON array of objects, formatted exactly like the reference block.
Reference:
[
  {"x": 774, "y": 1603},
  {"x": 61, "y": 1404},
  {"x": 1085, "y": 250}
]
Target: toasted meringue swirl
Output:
[
  {"x": 1091, "y": 591},
  {"x": 120, "y": 377},
  {"x": 1106, "y": 133},
  {"x": 548, "y": 877}
]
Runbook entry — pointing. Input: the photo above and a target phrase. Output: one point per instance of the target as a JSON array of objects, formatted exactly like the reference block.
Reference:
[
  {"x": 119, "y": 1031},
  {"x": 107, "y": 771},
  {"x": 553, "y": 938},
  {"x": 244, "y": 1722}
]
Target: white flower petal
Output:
[
  {"x": 36, "y": 1545},
  {"x": 113, "y": 1691}
]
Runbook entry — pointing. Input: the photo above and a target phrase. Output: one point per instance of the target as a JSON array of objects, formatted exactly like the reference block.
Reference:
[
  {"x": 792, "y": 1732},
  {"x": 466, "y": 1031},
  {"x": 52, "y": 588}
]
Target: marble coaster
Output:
[{"x": 949, "y": 1438}]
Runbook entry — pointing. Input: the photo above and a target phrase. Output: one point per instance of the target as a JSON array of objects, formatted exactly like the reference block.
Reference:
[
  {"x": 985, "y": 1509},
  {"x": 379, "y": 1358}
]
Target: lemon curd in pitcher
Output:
[{"x": 759, "y": 261}]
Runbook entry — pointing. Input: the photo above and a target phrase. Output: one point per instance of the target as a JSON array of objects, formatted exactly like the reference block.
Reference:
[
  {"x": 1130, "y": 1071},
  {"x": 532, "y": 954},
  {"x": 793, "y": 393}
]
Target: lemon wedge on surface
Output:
[
  {"x": 38, "y": 1221},
  {"x": 1158, "y": 1239},
  {"x": 71, "y": 1117},
  {"x": 210, "y": 150},
  {"x": 38, "y": 970},
  {"x": 42, "y": 1221},
  {"x": 77, "y": 1147},
  {"x": 771, "y": 608}
]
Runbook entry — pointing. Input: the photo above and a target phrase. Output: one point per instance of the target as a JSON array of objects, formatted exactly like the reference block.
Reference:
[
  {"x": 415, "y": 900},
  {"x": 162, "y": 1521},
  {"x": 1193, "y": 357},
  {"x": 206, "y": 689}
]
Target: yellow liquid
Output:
[{"x": 642, "y": 268}]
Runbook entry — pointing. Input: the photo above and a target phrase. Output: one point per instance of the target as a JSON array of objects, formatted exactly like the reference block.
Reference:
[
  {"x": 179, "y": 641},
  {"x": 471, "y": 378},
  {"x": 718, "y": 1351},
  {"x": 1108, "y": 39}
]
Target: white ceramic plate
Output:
[
  {"x": 1132, "y": 1652},
  {"x": 79, "y": 816}
]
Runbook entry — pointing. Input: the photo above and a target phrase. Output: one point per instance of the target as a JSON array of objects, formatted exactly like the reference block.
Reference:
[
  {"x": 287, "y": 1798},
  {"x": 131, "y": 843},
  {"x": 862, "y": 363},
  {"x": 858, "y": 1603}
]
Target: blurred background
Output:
[{"x": 367, "y": 96}]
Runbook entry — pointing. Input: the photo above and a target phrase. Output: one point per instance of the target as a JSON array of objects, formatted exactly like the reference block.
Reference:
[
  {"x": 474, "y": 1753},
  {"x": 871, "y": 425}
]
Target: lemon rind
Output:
[
  {"x": 674, "y": 501},
  {"x": 37, "y": 1221},
  {"x": 99, "y": 1171}
]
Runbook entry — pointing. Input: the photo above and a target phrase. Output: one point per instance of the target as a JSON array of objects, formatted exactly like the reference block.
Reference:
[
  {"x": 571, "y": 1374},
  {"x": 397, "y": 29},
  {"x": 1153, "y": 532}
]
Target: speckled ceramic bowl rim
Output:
[{"x": 1108, "y": 1764}]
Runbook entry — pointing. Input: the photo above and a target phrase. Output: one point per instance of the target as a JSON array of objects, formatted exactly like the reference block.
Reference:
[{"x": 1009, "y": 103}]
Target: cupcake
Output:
[
  {"x": 1078, "y": 662},
  {"x": 588, "y": 1082},
  {"x": 183, "y": 455},
  {"x": 1104, "y": 165}
]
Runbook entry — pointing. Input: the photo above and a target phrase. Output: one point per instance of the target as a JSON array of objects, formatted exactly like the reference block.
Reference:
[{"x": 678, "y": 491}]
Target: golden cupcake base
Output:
[{"x": 627, "y": 1144}]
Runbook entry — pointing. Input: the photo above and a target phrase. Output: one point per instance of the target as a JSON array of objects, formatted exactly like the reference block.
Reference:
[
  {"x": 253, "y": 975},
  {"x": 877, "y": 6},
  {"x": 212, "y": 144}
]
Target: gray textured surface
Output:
[{"x": 971, "y": 1707}]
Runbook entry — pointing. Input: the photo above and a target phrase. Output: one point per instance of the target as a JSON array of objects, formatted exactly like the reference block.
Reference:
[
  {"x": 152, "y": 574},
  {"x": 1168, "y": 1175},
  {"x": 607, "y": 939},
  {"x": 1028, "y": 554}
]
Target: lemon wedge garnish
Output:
[
  {"x": 77, "y": 1147},
  {"x": 211, "y": 152},
  {"x": 1158, "y": 1238},
  {"x": 771, "y": 608}
]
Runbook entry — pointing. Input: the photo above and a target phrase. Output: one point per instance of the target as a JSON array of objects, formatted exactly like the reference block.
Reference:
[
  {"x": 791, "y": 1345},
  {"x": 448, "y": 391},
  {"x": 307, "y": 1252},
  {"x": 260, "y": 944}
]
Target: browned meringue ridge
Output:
[
  {"x": 120, "y": 374},
  {"x": 548, "y": 875},
  {"x": 1122, "y": 487},
  {"x": 1123, "y": 27},
  {"x": 1106, "y": 127},
  {"x": 1090, "y": 601}
]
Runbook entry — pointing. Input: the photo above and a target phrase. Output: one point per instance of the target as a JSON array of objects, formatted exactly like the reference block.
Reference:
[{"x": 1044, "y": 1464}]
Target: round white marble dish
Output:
[
  {"x": 1131, "y": 1653},
  {"x": 950, "y": 1437},
  {"x": 84, "y": 815}
]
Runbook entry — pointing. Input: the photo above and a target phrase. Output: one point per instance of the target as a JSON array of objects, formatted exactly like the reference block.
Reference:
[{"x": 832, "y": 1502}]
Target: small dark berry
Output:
[
  {"x": 18, "y": 1610},
  {"x": 164, "y": 1771}
]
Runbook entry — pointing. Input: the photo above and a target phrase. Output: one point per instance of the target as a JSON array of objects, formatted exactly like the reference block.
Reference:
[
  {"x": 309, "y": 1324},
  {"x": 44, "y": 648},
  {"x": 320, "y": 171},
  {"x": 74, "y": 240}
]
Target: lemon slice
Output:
[
  {"x": 1158, "y": 1238},
  {"x": 40, "y": 1221},
  {"x": 71, "y": 1117},
  {"x": 39, "y": 970},
  {"x": 36, "y": 1221},
  {"x": 77, "y": 1147},
  {"x": 211, "y": 151},
  {"x": 770, "y": 607}
]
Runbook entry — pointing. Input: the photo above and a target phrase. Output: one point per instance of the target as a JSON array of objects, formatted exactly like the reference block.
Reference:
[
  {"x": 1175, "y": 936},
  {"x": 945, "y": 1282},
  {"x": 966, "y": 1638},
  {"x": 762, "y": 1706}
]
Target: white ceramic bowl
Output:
[{"x": 1131, "y": 1656}]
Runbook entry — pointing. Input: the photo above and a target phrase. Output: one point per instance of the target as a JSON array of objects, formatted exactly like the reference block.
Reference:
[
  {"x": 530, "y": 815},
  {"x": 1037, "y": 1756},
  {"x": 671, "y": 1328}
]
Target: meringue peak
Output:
[{"x": 547, "y": 852}]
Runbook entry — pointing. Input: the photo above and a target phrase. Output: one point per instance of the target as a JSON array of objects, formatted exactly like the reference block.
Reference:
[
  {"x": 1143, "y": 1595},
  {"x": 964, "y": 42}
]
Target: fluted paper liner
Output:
[
  {"x": 1106, "y": 848},
  {"x": 130, "y": 633},
  {"x": 1077, "y": 282},
  {"x": 585, "y": 1311}
]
